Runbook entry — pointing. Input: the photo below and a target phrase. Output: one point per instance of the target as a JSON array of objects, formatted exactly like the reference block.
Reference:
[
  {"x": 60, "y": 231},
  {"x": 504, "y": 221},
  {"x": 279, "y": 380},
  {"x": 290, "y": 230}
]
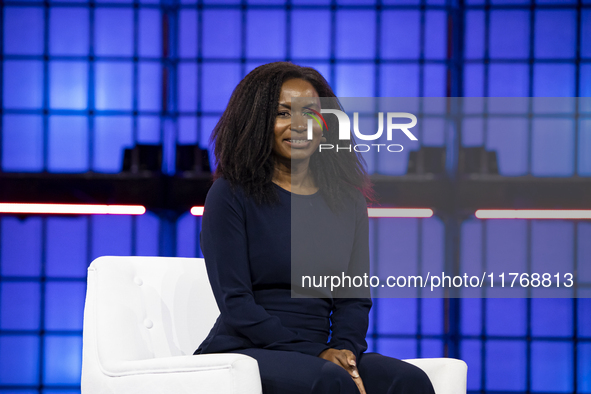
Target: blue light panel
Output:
[
  {"x": 68, "y": 31},
  {"x": 265, "y": 34},
  {"x": 474, "y": 42},
  {"x": 559, "y": 323},
  {"x": 552, "y": 246},
  {"x": 435, "y": 34},
  {"x": 400, "y": 35},
  {"x": 22, "y": 143},
  {"x": 398, "y": 348},
  {"x": 310, "y": 34},
  {"x": 23, "y": 30},
  {"x": 113, "y": 31},
  {"x": 584, "y": 145},
  {"x": 505, "y": 365},
  {"x": 510, "y": 46},
  {"x": 67, "y": 247},
  {"x": 187, "y": 130},
  {"x": 20, "y": 305},
  {"x": 22, "y": 84},
  {"x": 354, "y": 80},
  {"x": 148, "y": 130},
  {"x": 586, "y": 33},
  {"x": 150, "y": 86},
  {"x": 357, "y": 30},
  {"x": 555, "y": 34},
  {"x": 21, "y": 247},
  {"x": 188, "y": 33},
  {"x": 366, "y": 52},
  {"x": 397, "y": 316},
  {"x": 584, "y": 363},
  {"x": 436, "y": 75},
  {"x": 19, "y": 359},
  {"x": 553, "y": 147},
  {"x": 552, "y": 366},
  {"x": 64, "y": 305},
  {"x": 111, "y": 236},
  {"x": 474, "y": 80},
  {"x": 68, "y": 144},
  {"x": 431, "y": 348},
  {"x": 62, "y": 360},
  {"x": 509, "y": 138},
  {"x": 112, "y": 135},
  {"x": 471, "y": 351},
  {"x": 508, "y": 80},
  {"x": 147, "y": 229},
  {"x": 219, "y": 81},
  {"x": 150, "y": 33},
  {"x": 554, "y": 80},
  {"x": 113, "y": 86},
  {"x": 506, "y": 317},
  {"x": 68, "y": 85},
  {"x": 187, "y": 230},
  {"x": 187, "y": 86},
  {"x": 221, "y": 33}
]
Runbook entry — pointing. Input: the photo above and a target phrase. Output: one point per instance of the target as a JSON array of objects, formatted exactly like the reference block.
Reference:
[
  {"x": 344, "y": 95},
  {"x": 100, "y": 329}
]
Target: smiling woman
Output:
[
  {"x": 290, "y": 126},
  {"x": 245, "y": 137},
  {"x": 291, "y": 147},
  {"x": 266, "y": 167}
]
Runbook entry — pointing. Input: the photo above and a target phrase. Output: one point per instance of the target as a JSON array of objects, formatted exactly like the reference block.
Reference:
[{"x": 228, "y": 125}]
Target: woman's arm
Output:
[
  {"x": 225, "y": 248},
  {"x": 350, "y": 316}
]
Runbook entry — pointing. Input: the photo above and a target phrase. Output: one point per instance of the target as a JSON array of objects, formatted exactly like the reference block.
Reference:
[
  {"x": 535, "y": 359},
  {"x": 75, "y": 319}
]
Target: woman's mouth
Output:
[{"x": 297, "y": 143}]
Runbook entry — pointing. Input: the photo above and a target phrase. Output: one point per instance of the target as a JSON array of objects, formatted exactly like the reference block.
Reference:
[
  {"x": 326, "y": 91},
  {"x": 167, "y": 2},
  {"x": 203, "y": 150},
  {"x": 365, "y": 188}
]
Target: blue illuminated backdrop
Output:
[{"x": 83, "y": 80}]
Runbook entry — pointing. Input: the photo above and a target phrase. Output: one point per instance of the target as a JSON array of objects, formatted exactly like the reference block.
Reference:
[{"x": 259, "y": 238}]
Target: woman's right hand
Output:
[{"x": 346, "y": 359}]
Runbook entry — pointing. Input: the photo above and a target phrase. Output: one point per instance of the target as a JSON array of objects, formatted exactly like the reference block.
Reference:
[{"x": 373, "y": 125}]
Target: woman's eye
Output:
[{"x": 283, "y": 113}]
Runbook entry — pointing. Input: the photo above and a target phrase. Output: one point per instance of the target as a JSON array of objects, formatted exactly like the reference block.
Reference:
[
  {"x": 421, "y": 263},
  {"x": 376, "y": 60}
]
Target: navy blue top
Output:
[{"x": 248, "y": 254}]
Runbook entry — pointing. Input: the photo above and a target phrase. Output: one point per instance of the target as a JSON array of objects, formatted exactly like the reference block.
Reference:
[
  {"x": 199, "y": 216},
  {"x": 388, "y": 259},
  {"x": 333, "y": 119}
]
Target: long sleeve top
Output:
[{"x": 249, "y": 250}]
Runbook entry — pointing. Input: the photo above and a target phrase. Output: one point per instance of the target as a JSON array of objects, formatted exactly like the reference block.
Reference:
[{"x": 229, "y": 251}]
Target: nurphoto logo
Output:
[{"x": 345, "y": 129}]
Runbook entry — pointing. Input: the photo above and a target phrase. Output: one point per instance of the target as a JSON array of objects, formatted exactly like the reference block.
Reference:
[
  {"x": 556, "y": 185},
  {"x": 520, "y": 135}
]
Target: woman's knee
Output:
[
  {"x": 392, "y": 375},
  {"x": 334, "y": 379},
  {"x": 415, "y": 380}
]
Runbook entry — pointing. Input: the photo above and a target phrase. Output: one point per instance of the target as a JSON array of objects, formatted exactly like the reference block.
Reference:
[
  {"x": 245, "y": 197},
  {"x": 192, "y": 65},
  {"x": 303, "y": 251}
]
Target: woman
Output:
[{"x": 271, "y": 182}]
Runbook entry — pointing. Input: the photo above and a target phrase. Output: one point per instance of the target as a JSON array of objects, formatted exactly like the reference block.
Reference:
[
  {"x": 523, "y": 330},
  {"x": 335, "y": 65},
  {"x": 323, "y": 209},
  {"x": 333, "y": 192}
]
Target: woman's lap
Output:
[
  {"x": 297, "y": 373},
  {"x": 383, "y": 374}
]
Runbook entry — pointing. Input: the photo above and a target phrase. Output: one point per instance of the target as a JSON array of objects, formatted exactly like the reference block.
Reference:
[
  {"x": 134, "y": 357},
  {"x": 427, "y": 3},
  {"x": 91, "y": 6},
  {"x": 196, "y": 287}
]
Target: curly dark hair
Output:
[{"x": 243, "y": 139}]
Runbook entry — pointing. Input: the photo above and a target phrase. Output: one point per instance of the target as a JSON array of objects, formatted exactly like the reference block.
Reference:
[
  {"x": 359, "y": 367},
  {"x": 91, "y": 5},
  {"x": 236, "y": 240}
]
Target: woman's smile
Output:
[
  {"x": 297, "y": 143},
  {"x": 291, "y": 144}
]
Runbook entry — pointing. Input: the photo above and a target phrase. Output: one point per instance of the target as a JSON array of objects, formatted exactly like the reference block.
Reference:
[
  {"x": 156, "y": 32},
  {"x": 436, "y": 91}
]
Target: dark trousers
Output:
[{"x": 298, "y": 373}]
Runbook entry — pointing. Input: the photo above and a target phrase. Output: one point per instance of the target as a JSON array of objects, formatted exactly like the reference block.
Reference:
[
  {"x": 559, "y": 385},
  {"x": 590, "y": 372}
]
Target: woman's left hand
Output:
[{"x": 346, "y": 359}]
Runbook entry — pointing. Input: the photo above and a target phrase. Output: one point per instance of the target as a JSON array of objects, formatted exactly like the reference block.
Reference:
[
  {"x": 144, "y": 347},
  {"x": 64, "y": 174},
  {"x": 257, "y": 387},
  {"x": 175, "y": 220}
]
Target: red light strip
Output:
[
  {"x": 372, "y": 212},
  {"x": 533, "y": 214},
  {"x": 197, "y": 211},
  {"x": 71, "y": 209}
]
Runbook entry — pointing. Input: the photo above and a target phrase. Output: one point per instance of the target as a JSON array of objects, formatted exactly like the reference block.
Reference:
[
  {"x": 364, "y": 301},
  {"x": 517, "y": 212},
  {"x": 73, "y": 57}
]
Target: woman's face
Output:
[{"x": 291, "y": 123}]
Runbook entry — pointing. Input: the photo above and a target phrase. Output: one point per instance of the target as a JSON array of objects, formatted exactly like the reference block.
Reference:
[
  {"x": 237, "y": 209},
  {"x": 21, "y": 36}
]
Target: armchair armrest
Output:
[
  {"x": 448, "y": 375},
  {"x": 228, "y": 373}
]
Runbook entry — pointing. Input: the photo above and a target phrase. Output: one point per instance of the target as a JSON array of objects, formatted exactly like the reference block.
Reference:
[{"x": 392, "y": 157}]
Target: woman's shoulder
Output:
[
  {"x": 359, "y": 202},
  {"x": 223, "y": 190},
  {"x": 358, "y": 196},
  {"x": 354, "y": 197},
  {"x": 222, "y": 185}
]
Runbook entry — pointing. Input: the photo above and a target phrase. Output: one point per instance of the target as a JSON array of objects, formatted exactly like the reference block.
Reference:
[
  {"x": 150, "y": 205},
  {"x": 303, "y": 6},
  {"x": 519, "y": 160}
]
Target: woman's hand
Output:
[{"x": 346, "y": 359}]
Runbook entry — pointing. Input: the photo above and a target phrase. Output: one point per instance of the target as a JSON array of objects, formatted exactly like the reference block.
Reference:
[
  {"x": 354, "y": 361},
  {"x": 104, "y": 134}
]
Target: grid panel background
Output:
[{"x": 81, "y": 81}]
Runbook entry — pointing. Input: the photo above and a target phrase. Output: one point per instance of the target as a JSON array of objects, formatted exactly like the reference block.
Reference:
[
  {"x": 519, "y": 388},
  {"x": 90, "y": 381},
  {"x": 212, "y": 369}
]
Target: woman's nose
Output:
[{"x": 298, "y": 123}]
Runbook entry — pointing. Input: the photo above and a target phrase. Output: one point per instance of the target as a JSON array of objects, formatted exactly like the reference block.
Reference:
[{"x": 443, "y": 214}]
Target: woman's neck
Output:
[{"x": 295, "y": 177}]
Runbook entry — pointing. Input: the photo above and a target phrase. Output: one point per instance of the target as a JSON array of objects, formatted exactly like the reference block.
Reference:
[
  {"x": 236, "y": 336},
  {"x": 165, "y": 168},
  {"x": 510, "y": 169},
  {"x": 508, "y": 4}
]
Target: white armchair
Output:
[{"x": 144, "y": 317}]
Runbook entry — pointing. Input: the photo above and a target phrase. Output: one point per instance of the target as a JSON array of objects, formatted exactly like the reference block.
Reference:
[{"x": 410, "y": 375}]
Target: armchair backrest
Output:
[{"x": 147, "y": 307}]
